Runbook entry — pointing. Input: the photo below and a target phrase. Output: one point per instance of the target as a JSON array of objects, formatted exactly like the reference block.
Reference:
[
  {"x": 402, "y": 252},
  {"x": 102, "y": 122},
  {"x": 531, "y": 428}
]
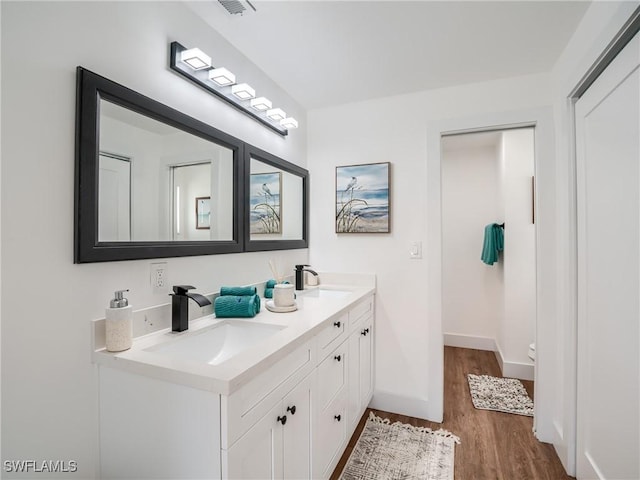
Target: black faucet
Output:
[
  {"x": 180, "y": 306},
  {"x": 300, "y": 276}
]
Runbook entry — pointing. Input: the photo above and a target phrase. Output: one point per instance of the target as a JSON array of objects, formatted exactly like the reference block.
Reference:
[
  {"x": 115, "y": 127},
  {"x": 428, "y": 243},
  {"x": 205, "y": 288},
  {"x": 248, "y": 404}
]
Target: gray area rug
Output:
[
  {"x": 400, "y": 451},
  {"x": 500, "y": 394}
]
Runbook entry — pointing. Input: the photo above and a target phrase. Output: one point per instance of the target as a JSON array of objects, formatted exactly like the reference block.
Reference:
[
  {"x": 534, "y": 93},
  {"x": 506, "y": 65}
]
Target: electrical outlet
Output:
[{"x": 159, "y": 277}]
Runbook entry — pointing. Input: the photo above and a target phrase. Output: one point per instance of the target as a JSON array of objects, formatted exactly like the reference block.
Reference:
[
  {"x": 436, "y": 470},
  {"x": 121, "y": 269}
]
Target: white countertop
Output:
[{"x": 225, "y": 378}]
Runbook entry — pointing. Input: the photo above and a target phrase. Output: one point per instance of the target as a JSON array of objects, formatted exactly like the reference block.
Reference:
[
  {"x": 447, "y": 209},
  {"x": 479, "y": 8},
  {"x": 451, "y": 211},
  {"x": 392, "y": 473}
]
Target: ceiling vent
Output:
[{"x": 237, "y": 7}]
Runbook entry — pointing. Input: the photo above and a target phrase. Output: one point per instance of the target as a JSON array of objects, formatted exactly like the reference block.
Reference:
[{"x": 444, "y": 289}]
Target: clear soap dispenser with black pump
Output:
[{"x": 119, "y": 324}]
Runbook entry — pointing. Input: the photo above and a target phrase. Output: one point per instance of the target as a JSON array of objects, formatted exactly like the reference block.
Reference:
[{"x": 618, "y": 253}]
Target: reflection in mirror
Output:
[
  {"x": 150, "y": 175},
  {"x": 114, "y": 198},
  {"x": 275, "y": 200}
]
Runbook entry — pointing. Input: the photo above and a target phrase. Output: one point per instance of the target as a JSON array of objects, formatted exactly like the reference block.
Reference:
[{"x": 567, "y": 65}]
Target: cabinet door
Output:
[
  {"x": 332, "y": 375},
  {"x": 330, "y": 437},
  {"x": 296, "y": 434},
  {"x": 366, "y": 363},
  {"x": 258, "y": 454},
  {"x": 353, "y": 395}
]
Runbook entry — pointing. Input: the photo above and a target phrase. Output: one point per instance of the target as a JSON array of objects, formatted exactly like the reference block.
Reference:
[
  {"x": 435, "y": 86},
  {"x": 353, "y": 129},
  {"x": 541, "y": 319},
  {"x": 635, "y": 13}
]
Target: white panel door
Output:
[
  {"x": 114, "y": 202},
  {"x": 608, "y": 175}
]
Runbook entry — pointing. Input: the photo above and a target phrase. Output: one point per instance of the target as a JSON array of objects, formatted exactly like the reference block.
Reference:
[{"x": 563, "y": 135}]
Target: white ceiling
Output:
[{"x": 327, "y": 53}]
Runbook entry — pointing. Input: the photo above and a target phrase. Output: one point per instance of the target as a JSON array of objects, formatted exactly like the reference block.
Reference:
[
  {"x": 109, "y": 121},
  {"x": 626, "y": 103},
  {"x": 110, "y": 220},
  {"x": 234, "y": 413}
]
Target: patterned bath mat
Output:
[
  {"x": 400, "y": 451},
  {"x": 500, "y": 394}
]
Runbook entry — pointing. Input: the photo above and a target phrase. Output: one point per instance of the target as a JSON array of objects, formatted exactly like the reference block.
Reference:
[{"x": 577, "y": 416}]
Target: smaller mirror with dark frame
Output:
[{"x": 276, "y": 202}]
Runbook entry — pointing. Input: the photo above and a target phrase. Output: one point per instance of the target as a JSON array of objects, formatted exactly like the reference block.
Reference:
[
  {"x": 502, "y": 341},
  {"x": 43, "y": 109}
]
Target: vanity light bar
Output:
[
  {"x": 222, "y": 76},
  {"x": 196, "y": 59},
  {"x": 196, "y": 66}
]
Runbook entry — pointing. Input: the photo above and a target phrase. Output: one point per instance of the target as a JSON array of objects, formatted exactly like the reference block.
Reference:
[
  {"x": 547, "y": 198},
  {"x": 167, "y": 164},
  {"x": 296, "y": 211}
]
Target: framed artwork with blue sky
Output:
[
  {"x": 264, "y": 199},
  {"x": 362, "y": 198}
]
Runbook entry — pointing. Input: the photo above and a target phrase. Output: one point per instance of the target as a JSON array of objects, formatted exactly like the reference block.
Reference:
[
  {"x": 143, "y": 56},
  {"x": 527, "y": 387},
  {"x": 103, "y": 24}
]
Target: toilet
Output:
[{"x": 532, "y": 352}]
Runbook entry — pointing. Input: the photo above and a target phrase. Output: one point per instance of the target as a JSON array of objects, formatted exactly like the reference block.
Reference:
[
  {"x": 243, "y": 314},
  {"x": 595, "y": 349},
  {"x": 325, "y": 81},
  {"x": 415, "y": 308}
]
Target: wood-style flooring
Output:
[{"x": 494, "y": 445}]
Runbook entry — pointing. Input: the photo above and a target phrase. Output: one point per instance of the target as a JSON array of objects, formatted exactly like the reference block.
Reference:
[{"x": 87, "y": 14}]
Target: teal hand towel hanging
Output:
[{"x": 493, "y": 243}]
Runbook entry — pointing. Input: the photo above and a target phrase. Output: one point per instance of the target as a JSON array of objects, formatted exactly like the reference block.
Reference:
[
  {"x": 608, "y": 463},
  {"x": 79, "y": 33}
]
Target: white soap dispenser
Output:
[{"x": 119, "y": 325}]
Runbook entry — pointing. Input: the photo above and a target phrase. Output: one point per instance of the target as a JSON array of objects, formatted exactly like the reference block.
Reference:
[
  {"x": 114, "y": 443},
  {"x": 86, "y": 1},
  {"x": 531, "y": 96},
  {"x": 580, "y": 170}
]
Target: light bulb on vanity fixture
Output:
[
  {"x": 261, "y": 104},
  {"x": 276, "y": 114},
  {"x": 289, "y": 122},
  {"x": 196, "y": 59},
  {"x": 243, "y": 91},
  {"x": 222, "y": 77}
]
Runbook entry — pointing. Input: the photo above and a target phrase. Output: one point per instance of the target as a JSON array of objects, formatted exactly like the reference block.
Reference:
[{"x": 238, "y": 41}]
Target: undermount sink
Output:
[
  {"x": 217, "y": 344},
  {"x": 324, "y": 293}
]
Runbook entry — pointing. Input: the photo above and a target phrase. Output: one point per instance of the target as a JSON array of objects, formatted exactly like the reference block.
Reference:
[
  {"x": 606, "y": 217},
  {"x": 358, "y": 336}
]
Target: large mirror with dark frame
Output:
[
  {"x": 151, "y": 182},
  {"x": 276, "y": 199}
]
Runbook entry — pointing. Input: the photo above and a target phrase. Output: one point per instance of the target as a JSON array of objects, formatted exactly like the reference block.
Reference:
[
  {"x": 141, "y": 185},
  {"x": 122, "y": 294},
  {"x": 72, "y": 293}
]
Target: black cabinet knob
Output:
[
  {"x": 338, "y": 357},
  {"x": 282, "y": 419},
  {"x": 338, "y": 417},
  {"x": 337, "y": 324},
  {"x": 365, "y": 331},
  {"x": 292, "y": 410}
]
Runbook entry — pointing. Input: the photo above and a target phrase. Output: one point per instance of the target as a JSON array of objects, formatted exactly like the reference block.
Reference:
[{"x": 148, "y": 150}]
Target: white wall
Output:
[
  {"x": 49, "y": 397},
  {"x": 517, "y": 329},
  {"x": 409, "y": 338},
  {"x": 472, "y": 292}
]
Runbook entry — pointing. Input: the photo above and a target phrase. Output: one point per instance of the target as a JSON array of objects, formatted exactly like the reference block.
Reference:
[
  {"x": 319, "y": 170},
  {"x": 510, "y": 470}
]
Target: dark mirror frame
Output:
[
  {"x": 91, "y": 88},
  {"x": 265, "y": 157}
]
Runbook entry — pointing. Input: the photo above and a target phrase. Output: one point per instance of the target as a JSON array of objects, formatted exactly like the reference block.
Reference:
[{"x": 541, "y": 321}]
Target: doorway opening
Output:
[{"x": 487, "y": 178}]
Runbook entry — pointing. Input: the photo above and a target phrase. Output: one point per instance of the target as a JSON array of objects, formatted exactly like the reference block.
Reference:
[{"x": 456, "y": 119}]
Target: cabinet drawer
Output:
[
  {"x": 330, "y": 437},
  {"x": 361, "y": 311},
  {"x": 331, "y": 335},
  {"x": 246, "y": 406},
  {"x": 332, "y": 375}
]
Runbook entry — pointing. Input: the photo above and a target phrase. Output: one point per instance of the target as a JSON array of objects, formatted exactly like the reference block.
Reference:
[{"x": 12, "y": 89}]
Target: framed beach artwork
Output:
[
  {"x": 203, "y": 213},
  {"x": 264, "y": 200},
  {"x": 362, "y": 198}
]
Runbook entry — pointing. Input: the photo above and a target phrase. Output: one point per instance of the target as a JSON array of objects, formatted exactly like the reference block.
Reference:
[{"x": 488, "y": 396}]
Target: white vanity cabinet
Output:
[
  {"x": 345, "y": 386},
  {"x": 266, "y": 423},
  {"x": 360, "y": 360},
  {"x": 330, "y": 432},
  {"x": 279, "y": 445},
  {"x": 287, "y": 417}
]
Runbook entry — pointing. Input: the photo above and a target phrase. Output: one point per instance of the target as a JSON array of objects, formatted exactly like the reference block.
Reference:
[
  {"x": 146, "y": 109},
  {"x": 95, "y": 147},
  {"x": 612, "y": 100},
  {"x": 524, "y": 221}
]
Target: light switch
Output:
[{"x": 415, "y": 250}]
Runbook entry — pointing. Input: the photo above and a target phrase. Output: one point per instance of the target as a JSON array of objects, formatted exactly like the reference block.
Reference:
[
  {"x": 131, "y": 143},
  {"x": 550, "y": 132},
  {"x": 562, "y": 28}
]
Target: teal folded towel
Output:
[
  {"x": 268, "y": 293},
  {"x": 272, "y": 283},
  {"x": 236, "y": 306},
  {"x": 238, "y": 291},
  {"x": 493, "y": 243}
]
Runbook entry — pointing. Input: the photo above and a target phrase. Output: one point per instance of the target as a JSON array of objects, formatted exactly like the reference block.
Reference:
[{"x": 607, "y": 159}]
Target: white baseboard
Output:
[
  {"x": 469, "y": 341},
  {"x": 523, "y": 371},
  {"x": 390, "y": 402}
]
